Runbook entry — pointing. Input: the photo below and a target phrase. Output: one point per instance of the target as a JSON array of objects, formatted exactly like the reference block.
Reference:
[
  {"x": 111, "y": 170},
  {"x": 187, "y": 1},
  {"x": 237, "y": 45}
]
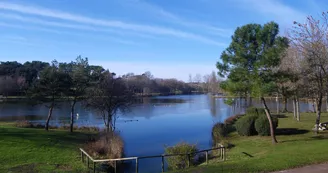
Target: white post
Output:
[{"x": 277, "y": 100}]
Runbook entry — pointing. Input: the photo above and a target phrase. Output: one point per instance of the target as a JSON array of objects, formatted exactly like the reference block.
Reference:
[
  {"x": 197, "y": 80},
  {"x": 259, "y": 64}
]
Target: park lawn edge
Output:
[
  {"x": 36, "y": 150},
  {"x": 298, "y": 146}
]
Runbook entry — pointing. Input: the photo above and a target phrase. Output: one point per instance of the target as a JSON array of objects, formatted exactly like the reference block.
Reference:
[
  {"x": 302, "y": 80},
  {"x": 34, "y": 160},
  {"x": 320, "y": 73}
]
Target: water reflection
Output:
[{"x": 156, "y": 121}]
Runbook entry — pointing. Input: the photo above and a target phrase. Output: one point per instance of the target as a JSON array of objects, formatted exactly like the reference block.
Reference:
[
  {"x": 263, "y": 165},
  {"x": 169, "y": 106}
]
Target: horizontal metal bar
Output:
[
  {"x": 146, "y": 157},
  {"x": 119, "y": 159},
  {"x": 87, "y": 154}
]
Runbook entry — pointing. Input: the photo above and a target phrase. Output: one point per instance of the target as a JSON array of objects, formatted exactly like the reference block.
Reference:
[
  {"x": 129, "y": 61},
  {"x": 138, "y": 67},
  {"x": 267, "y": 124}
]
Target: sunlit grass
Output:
[
  {"x": 297, "y": 147},
  {"x": 35, "y": 150}
]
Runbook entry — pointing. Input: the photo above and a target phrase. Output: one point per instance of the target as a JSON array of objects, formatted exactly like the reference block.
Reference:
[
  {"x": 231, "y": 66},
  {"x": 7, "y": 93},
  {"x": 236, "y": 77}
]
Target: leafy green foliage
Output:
[
  {"x": 220, "y": 131},
  {"x": 181, "y": 161},
  {"x": 248, "y": 61},
  {"x": 262, "y": 125},
  {"x": 296, "y": 139},
  {"x": 245, "y": 125},
  {"x": 229, "y": 101},
  {"x": 255, "y": 111},
  {"x": 52, "y": 83}
]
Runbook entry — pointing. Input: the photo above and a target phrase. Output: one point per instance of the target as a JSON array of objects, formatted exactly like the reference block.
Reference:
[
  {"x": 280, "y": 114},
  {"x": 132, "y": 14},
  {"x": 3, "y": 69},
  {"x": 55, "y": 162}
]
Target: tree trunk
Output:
[
  {"x": 285, "y": 106},
  {"x": 277, "y": 100},
  {"x": 267, "y": 112},
  {"x": 298, "y": 114},
  {"x": 294, "y": 107},
  {"x": 109, "y": 122},
  {"x": 72, "y": 116},
  {"x": 49, "y": 116},
  {"x": 245, "y": 99},
  {"x": 314, "y": 107},
  {"x": 326, "y": 102},
  {"x": 318, "y": 106},
  {"x": 250, "y": 101}
]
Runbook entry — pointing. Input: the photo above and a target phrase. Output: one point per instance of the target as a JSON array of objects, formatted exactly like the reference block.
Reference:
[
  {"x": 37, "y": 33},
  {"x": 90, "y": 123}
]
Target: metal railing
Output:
[{"x": 84, "y": 154}]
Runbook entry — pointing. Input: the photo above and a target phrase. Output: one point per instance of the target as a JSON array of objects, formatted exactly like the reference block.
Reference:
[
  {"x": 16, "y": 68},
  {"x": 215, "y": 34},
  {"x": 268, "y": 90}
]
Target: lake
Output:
[{"x": 151, "y": 124}]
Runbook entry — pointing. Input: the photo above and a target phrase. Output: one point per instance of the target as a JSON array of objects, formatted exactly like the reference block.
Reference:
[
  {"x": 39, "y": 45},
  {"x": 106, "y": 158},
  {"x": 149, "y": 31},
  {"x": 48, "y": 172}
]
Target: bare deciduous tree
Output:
[
  {"x": 290, "y": 81},
  {"x": 109, "y": 97},
  {"x": 311, "y": 40}
]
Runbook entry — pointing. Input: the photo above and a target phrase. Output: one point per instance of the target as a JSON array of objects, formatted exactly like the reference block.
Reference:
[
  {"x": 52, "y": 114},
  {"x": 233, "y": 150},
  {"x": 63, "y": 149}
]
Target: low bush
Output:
[
  {"x": 262, "y": 125},
  {"x": 107, "y": 146},
  {"x": 232, "y": 119},
  {"x": 245, "y": 125},
  {"x": 180, "y": 161},
  {"x": 220, "y": 130},
  {"x": 23, "y": 124},
  {"x": 255, "y": 111}
]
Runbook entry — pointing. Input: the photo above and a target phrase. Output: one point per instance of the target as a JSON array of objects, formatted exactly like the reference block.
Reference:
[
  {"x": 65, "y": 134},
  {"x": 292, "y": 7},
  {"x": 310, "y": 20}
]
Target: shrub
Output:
[
  {"x": 219, "y": 131},
  {"x": 180, "y": 161},
  {"x": 262, "y": 125},
  {"x": 255, "y": 111},
  {"x": 108, "y": 145},
  {"x": 23, "y": 124},
  {"x": 245, "y": 125},
  {"x": 232, "y": 119}
]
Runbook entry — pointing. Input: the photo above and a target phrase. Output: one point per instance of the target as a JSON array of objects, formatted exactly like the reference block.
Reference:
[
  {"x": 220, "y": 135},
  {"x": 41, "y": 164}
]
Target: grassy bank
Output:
[
  {"x": 35, "y": 150},
  {"x": 298, "y": 146}
]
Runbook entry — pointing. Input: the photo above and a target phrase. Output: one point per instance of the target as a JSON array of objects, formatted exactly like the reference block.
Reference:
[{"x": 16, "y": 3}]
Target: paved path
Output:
[{"x": 321, "y": 168}]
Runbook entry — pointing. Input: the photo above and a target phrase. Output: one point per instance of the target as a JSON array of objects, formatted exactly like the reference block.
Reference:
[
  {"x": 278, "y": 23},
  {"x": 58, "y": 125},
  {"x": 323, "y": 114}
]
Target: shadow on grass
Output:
[
  {"x": 280, "y": 115},
  {"x": 313, "y": 138},
  {"x": 320, "y": 137},
  {"x": 290, "y": 131},
  {"x": 247, "y": 154}
]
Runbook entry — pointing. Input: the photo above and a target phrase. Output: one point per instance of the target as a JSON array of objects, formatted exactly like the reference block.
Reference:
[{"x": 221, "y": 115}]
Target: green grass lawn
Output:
[
  {"x": 298, "y": 146},
  {"x": 35, "y": 150}
]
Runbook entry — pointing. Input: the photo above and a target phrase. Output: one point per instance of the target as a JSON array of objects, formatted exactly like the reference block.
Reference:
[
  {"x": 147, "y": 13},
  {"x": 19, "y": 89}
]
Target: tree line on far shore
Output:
[{"x": 98, "y": 88}]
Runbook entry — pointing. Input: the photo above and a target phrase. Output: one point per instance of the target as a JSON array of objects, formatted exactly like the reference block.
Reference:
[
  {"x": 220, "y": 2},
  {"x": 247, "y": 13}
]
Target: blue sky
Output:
[{"x": 169, "y": 38}]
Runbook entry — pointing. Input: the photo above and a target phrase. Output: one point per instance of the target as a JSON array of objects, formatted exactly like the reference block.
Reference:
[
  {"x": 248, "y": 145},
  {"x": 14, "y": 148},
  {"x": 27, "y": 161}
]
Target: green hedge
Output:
[
  {"x": 262, "y": 125},
  {"x": 255, "y": 111},
  {"x": 245, "y": 125}
]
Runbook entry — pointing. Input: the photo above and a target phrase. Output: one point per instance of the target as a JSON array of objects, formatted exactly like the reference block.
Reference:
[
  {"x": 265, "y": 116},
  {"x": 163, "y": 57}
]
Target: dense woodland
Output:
[{"x": 16, "y": 78}]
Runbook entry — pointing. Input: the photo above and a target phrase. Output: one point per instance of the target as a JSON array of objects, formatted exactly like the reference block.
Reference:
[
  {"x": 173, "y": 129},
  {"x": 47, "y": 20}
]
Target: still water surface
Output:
[{"x": 156, "y": 122}]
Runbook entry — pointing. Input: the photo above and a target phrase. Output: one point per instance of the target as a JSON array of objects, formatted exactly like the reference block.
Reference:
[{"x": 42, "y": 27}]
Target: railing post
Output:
[
  {"x": 94, "y": 167},
  {"x": 82, "y": 156},
  {"x": 115, "y": 166},
  {"x": 188, "y": 160},
  {"x": 137, "y": 165},
  {"x": 162, "y": 163},
  {"x": 224, "y": 154},
  {"x": 220, "y": 153},
  {"x": 206, "y": 155}
]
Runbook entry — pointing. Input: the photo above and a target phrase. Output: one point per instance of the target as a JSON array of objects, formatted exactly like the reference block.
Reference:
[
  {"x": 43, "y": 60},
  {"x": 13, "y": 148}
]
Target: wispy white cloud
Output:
[
  {"x": 66, "y": 25},
  {"x": 171, "y": 17},
  {"x": 45, "y": 12},
  {"x": 3, "y": 24},
  {"x": 84, "y": 35},
  {"x": 281, "y": 12},
  {"x": 14, "y": 37}
]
